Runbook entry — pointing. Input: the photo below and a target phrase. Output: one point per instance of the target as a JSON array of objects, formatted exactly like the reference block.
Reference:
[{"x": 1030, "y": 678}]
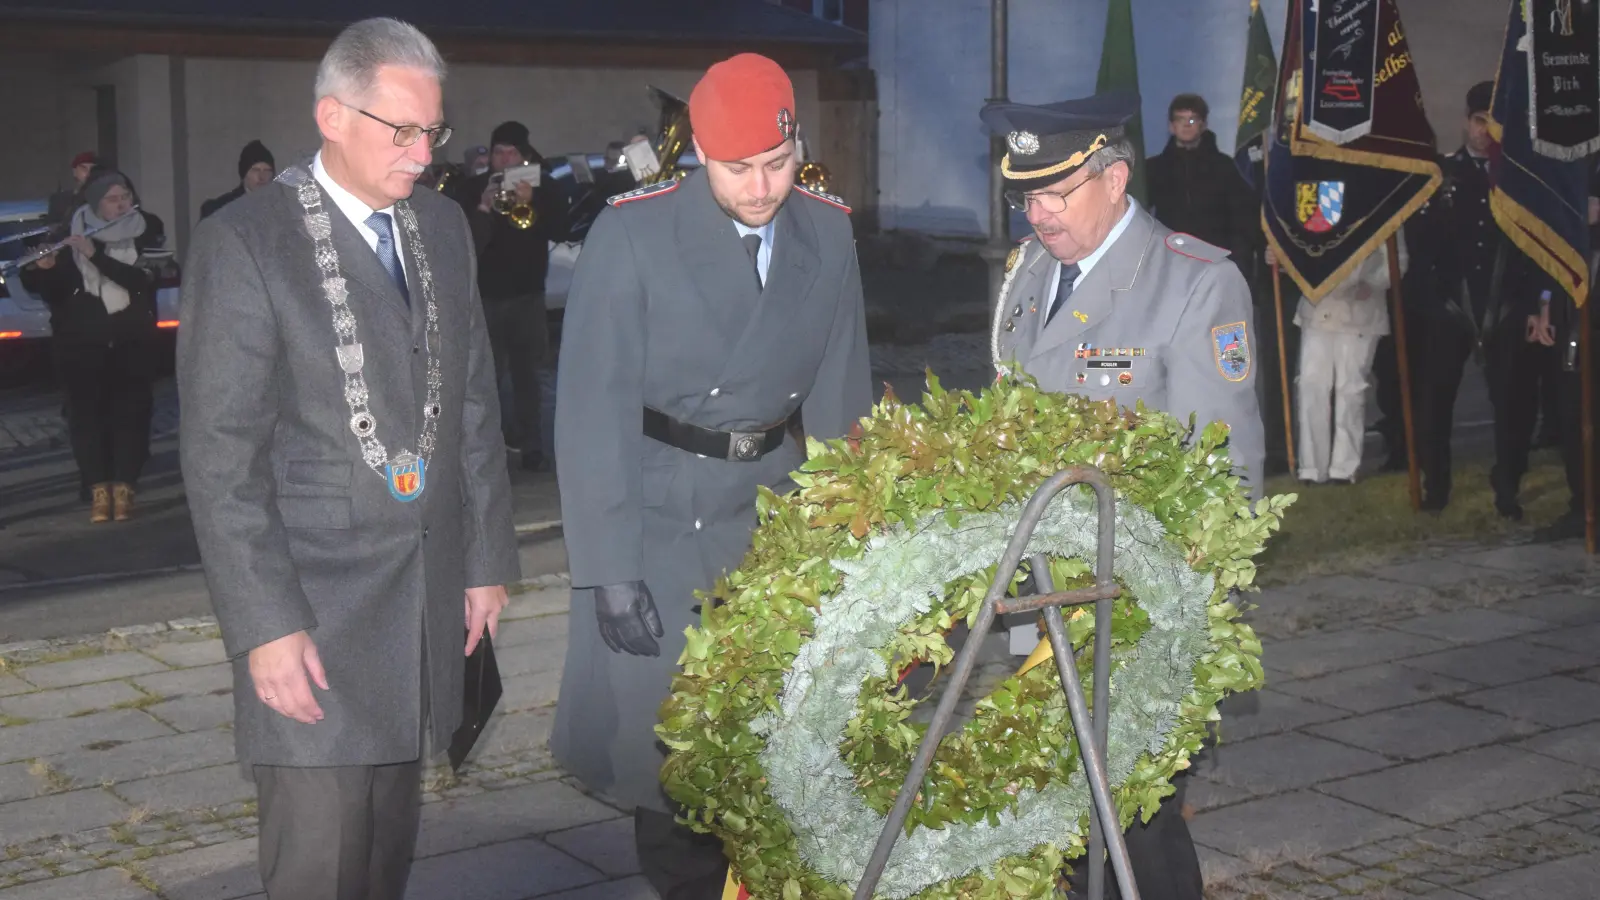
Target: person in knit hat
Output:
[
  {"x": 714, "y": 321},
  {"x": 65, "y": 201},
  {"x": 256, "y": 169}
]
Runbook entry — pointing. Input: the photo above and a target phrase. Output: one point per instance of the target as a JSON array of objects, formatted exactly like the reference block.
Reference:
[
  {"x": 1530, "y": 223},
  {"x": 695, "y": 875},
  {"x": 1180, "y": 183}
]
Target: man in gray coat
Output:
[
  {"x": 708, "y": 318},
  {"x": 1109, "y": 303},
  {"x": 342, "y": 454}
]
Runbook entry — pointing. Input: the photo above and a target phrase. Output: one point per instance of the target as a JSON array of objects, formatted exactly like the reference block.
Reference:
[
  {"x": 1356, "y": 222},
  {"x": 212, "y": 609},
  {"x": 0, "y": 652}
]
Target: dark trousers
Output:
[
  {"x": 1161, "y": 852},
  {"x": 109, "y": 405},
  {"x": 1440, "y": 365},
  {"x": 338, "y": 833},
  {"x": 1513, "y": 366},
  {"x": 519, "y": 336}
]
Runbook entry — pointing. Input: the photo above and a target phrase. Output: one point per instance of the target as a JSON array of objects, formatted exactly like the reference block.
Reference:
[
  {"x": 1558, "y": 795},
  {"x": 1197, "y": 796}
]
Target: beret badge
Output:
[
  {"x": 785, "y": 123},
  {"x": 1025, "y": 143}
]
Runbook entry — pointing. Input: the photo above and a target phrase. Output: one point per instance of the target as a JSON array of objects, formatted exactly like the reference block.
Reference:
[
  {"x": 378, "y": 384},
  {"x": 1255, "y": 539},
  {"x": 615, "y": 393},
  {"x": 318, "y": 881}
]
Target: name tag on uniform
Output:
[{"x": 1110, "y": 363}]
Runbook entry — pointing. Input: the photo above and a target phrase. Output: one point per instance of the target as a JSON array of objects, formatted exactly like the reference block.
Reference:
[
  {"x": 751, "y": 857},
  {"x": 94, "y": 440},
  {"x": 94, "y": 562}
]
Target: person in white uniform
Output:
[{"x": 1339, "y": 336}]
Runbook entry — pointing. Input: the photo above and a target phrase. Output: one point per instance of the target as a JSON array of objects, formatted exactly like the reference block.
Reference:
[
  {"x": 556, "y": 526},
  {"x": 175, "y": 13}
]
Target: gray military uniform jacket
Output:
[
  {"x": 665, "y": 311},
  {"x": 295, "y": 531},
  {"x": 1161, "y": 317}
]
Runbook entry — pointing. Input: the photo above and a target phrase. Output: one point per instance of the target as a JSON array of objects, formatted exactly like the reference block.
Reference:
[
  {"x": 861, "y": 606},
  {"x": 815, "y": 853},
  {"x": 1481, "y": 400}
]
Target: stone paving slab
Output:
[
  {"x": 1424, "y": 730},
  {"x": 102, "y": 884},
  {"x": 91, "y": 669},
  {"x": 1335, "y": 651},
  {"x": 1464, "y": 784},
  {"x": 1556, "y": 701},
  {"x": 201, "y": 713},
  {"x": 1501, "y": 662},
  {"x": 147, "y": 758},
  {"x": 65, "y": 813},
  {"x": 187, "y": 682},
  {"x": 71, "y": 701},
  {"x": 1303, "y": 823},
  {"x": 1286, "y": 762},
  {"x": 494, "y": 816},
  {"x": 1259, "y": 713},
  {"x": 64, "y": 735},
  {"x": 11, "y": 684},
  {"x": 514, "y": 870},
  {"x": 1432, "y": 573},
  {"x": 627, "y": 889},
  {"x": 1472, "y": 626},
  {"x": 1558, "y": 608},
  {"x": 1574, "y": 878},
  {"x": 607, "y": 846},
  {"x": 199, "y": 789},
  {"x": 1372, "y": 688},
  {"x": 223, "y": 872},
  {"x": 186, "y": 654},
  {"x": 17, "y": 782},
  {"x": 1579, "y": 745},
  {"x": 1576, "y": 638}
]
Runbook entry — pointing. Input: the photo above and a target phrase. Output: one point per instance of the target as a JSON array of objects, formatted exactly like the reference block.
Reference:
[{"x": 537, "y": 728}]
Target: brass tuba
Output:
[{"x": 674, "y": 138}]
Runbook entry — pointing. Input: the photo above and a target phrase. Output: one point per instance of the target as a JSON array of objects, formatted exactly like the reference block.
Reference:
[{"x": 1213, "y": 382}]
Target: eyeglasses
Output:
[
  {"x": 406, "y": 135},
  {"x": 1049, "y": 201}
]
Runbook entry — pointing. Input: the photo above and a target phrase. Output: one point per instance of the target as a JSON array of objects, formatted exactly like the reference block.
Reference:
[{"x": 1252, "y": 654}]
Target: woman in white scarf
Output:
[{"x": 103, "y": 324}]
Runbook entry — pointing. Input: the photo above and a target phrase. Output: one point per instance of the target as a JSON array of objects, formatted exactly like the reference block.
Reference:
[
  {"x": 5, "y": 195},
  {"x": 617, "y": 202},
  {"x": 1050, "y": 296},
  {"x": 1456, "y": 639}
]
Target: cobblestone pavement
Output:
[{"x": 1431, "y": 729}]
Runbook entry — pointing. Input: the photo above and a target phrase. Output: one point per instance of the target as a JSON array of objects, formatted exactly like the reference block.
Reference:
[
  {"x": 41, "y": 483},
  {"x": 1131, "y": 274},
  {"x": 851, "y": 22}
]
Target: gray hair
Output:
[
  {"x": 1110, "y": 155},
  {"x": 349, "y": 69}
]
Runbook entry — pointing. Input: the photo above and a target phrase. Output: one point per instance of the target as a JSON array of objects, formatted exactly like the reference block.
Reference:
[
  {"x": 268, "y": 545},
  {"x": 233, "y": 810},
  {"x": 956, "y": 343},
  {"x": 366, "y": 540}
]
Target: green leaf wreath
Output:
[{"x": 789, "y": 729}]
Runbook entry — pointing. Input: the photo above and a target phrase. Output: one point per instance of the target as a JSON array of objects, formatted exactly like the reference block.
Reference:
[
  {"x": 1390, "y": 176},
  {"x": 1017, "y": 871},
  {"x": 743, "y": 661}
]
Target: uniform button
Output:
[
  {"x": 794, "y": 395},
  {"x": 1178, "y": 241},
  {"x": 416, "y": 349},
  {"x": 424, "y": 534},
  {"x": 1105, "y": 380},
  {"x": 716, "y": 391},
  {"x": 696, "y": 524}
]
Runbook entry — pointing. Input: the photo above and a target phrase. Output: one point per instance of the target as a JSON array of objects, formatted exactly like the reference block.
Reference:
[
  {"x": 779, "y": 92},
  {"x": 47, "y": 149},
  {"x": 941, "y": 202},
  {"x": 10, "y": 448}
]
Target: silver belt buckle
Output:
[{"x": 745, "y": 446}]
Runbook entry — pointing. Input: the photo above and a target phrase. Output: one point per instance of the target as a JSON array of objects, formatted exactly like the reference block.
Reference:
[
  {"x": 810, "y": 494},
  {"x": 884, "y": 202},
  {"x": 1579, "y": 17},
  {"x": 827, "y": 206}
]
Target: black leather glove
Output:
[{"x": 627, "y": 616}]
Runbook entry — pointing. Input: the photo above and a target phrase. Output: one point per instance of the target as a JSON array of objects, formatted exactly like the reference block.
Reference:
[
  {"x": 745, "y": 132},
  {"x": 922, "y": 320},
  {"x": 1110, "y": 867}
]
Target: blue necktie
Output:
[
  {"x": 384, "y": 226},
  {"x": 1069, "y": 274}
]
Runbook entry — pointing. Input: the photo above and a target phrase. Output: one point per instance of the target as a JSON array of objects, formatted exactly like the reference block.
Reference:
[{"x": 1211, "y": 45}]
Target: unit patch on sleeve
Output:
[{"x": 1231, "y": 347}]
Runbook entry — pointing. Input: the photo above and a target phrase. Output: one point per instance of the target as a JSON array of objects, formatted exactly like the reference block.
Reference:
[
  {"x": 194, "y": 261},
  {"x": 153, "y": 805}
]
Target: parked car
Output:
[{"x": 25, "y": 319}]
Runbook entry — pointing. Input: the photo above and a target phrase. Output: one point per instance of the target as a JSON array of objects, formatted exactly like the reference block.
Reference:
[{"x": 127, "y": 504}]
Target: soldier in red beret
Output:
[{"x": 712, "y": 323}]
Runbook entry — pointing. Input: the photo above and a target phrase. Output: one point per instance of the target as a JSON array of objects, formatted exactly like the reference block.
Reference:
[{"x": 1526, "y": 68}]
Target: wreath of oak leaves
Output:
[{"x": 949, "y": 475}]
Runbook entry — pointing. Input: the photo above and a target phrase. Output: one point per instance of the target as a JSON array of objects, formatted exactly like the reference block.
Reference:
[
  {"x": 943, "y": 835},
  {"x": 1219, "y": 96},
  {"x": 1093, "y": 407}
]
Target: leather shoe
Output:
[{"x": 1508, "y": 507}]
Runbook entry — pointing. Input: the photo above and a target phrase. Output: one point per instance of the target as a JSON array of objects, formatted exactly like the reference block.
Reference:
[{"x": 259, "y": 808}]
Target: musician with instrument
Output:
[
  {"x": 714, "y": 320},
  {"x": 102, "y": 299},
  {"x": 512, "y": 226}
]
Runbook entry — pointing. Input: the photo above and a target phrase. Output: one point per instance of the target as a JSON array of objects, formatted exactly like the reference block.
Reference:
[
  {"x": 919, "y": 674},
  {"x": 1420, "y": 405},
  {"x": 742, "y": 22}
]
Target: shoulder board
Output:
[
  {"x": 649, "y": 190},
  {"x": 829, "y": 199},
  {"x": 1194, "y": 248},
  {"x": 1026, "y": 239}
]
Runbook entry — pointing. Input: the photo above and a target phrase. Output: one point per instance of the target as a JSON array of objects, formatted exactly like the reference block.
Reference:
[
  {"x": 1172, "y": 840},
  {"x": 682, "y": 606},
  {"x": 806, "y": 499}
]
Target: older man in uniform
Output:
[
  {"x": 1109, "y": 303},
  {"x": 707, "y": 318}
]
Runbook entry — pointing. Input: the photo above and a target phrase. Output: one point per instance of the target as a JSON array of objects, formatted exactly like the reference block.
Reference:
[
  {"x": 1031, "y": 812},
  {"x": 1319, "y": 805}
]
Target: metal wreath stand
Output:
[{"x": 1104, "y": 824}]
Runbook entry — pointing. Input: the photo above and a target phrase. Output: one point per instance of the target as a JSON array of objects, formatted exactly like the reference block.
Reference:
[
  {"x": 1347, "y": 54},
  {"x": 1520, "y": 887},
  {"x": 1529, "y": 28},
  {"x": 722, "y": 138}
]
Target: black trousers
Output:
[
  {"x": 338, "y": 833},
  {"x": 1513, "y": 367},
  {"x": 109, "y": 406},
  {"x": 1441, "y": 362},
  {"x": 519, "y": 336},
  {"x": 1161, "y": 852}
]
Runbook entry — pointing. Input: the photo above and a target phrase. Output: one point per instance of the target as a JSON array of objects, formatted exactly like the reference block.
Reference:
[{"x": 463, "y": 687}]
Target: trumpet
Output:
[
  {"x": 10, "y": 268},
  {"x": 521, "y": 215}
]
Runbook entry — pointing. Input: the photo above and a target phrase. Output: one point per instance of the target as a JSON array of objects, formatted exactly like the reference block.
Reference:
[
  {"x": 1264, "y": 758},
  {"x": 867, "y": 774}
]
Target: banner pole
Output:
[
  {"x": 1413, "y": 476},
  {"x": 1586, "y": 394},
  {"x": 1283, "y": 372}
]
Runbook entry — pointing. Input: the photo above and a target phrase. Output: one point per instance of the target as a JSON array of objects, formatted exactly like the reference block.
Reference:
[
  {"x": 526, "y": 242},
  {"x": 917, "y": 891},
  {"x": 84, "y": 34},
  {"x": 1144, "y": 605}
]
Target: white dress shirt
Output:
[{"x": 357, "y": 212}]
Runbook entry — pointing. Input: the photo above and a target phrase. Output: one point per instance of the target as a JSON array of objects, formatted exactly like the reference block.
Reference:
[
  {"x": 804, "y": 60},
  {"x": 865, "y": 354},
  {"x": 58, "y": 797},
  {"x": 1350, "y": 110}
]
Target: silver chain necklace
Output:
[{"x": 405, "y": 472}]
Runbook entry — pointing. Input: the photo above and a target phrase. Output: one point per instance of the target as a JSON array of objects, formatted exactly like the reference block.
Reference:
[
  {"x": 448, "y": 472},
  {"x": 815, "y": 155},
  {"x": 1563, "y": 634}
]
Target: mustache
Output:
[{"x": 411, "y": 168}]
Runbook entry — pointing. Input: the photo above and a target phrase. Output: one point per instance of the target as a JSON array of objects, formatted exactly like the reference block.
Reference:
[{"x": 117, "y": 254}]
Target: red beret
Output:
[
  {"x": 86, "y": 158},
  {"x": 741, "y": 107}
]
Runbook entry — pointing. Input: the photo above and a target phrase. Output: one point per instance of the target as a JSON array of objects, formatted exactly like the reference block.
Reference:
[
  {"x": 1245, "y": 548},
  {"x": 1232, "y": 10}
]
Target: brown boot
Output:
[
  {"x": 122, "y": 498},
  {"x": 100, "y": 510}
]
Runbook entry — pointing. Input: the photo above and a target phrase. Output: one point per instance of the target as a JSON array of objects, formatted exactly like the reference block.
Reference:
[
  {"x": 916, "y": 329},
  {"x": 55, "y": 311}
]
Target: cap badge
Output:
[
  {"x": 1025, "y": 143},
  {"x": 785, "y": 123}
]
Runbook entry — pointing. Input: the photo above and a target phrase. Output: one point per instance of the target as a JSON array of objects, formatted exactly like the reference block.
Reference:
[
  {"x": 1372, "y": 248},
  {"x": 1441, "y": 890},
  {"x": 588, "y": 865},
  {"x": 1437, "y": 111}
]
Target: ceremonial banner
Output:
[
  {"x": 1563, "y": 77},
  {"x": 1119, "y": 71},
  {"x": 1341, "y": 67},
  {"x": 1326, "y": 205},
  {"x": 1541, "y": 190},
  {"x": 1255, "y": 98}
]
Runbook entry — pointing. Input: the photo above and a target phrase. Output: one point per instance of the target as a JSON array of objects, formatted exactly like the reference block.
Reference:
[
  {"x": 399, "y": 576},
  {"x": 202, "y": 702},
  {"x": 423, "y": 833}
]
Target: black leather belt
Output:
[{"x": 734, "y": 446}]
